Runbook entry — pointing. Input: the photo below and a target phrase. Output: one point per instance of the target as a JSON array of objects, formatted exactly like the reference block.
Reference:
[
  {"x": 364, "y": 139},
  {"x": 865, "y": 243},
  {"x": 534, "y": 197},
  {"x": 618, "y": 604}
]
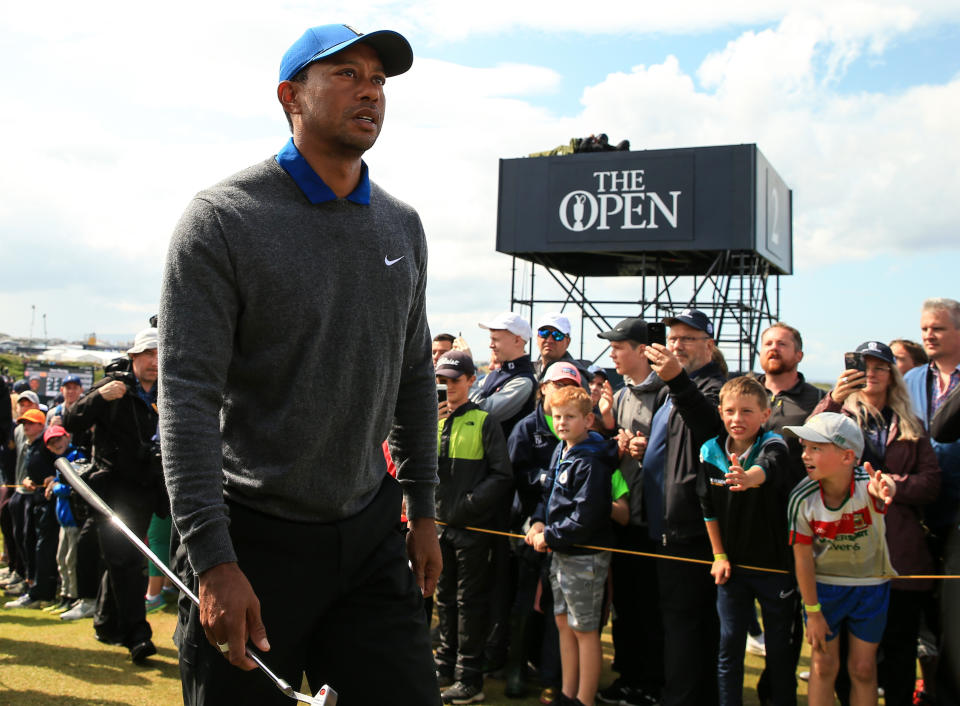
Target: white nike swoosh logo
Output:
[
  {"x": 786, "y": 594},
  {"x": 388, "y": 262}
]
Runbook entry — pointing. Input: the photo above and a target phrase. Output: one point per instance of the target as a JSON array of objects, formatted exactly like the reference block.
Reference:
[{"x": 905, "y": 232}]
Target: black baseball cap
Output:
[
  {"x": 453, "y": 364},
  {"x": 692, "y": 317},
  {"x": 634, "y": 329}
]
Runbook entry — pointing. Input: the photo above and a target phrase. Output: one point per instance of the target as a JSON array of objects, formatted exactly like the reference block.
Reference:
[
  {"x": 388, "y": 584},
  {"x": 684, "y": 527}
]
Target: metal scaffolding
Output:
[{"x": 735, "y": 291}]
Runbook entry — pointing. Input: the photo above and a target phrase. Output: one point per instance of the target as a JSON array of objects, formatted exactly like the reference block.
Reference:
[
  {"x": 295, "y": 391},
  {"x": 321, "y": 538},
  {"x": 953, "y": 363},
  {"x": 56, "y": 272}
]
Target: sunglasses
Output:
[{"x": 551, "y": 333}]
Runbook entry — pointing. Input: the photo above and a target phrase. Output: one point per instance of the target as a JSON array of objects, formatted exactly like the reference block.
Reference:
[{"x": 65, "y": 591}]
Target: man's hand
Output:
[
  {"x": 623, "y": 440},
  {"x": 29, "y": 485},
  {"x": 663, "y": 362},
  {"x": 230, "y": 613},
  {"x": 423, "y": 550},
  {"x": 540, "y": 542},
  {"x": 880, "y": 486},
  {"x": 817, "y": 631},
  {"x": 114, "y": 390},
  {"x": 638, "y": 446}
]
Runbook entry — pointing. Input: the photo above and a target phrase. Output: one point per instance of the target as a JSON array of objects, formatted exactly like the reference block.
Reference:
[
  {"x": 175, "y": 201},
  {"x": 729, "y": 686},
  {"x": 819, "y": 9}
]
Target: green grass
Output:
[{"x": 44, "y": 660}]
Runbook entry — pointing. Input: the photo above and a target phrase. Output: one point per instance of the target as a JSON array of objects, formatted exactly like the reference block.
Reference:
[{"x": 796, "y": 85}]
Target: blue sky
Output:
[{"x": 113, "y": 116}]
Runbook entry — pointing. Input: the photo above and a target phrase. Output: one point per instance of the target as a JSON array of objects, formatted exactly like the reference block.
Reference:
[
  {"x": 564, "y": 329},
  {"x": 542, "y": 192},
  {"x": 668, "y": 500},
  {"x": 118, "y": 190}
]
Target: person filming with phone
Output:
[{"x": 871, "y": 391}]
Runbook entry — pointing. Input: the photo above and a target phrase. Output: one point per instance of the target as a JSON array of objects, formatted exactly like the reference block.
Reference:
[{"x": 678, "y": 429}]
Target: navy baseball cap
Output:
[
  {"x": 692, "y": 317},
  {"x": 326, "y": 40},
  {"x": 877, "y": 350}
]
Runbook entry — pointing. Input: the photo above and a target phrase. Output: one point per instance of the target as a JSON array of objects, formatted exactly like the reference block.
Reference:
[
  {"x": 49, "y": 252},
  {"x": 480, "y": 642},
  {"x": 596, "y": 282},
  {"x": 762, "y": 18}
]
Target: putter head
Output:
[{"x": 325, "y": 697}]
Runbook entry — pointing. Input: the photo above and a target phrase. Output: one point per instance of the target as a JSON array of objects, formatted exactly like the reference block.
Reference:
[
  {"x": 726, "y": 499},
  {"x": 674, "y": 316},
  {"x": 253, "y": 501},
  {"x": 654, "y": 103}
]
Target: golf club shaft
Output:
[{"x": 88, "y": 494}]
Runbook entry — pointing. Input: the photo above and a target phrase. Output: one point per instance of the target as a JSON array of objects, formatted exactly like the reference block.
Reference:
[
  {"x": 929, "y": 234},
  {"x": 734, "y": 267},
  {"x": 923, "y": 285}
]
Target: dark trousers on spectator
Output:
[
  {"x": 338, "y": 601},
  {"x": 688, "y": 599},
  {"x": 778, "y": 598},
  {"x": 898, "y": 647},
  {"x": 948, "y": 674},
  {"x": 503, "y": 588},
  {"x": 45, "y": 550},
  {"x": 463, "y": 602},
  {"x": 89, "y": 564},
  {"x": 14, "y": 560},
  {"x": 637, "y": 629},
  {"x": 24, "y": 531},
  {"x": 121, "y": 617}
]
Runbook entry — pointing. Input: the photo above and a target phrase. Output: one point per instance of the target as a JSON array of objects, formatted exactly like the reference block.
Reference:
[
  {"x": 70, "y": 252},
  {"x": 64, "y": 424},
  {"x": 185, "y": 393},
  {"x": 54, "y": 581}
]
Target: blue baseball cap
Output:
[
  {"x": 326, "y": 40},
  {"x": 71, "y": 378}
]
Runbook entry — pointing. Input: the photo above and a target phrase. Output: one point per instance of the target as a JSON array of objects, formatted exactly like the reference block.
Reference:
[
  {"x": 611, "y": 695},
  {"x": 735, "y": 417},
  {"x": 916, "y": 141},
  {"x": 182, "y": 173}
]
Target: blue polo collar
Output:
[{"x": 312, "y": 186}]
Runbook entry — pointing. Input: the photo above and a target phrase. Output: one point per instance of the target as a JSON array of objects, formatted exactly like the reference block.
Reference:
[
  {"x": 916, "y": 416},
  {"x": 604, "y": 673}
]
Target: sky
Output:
[{"x": 114, "y": 114}]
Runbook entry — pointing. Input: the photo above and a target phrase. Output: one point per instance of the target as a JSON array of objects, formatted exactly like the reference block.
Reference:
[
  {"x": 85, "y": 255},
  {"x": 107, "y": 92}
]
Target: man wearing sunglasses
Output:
[{"x": 553, "y": 340}]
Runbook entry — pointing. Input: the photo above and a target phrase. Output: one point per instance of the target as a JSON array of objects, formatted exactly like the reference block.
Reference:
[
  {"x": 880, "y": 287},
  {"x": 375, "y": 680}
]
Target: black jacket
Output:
[
  {"x": 694, "y": 419},
  {"x": 791, "y": 408},
  {"x": 122, "y": 438},
  {"x": 474, "y": 470},
  {"x": 531, "y": 446}
]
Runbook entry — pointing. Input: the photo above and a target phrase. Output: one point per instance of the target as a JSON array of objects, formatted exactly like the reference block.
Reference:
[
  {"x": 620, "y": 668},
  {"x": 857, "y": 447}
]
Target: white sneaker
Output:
[
  {"x": 84, "y": 608},
  {"x": 756, "y": 645},
  {"x": 804, "y": 675},
  {"x": 24, "y": 601}
]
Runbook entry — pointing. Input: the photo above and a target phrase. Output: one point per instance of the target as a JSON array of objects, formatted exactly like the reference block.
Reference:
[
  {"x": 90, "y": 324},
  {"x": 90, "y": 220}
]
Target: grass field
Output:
[{"x": 44, "y": 660}]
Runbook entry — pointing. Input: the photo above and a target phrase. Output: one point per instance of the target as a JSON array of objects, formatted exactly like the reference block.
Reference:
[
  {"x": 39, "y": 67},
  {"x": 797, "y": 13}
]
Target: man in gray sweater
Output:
[{"x": 294, "y": 341}]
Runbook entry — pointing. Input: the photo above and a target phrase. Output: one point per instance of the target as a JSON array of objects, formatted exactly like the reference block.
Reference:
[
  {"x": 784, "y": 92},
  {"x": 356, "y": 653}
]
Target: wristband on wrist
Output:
[
  {"x": 815, "y": 608},
  {"x": 720, "y": 557}
]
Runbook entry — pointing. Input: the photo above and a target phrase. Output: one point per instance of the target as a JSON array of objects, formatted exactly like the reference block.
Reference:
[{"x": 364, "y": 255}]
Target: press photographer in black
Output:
[{"x": 122, "y": 409}]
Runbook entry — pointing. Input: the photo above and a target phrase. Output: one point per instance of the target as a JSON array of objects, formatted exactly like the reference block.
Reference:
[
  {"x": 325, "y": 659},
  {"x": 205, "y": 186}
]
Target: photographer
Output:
[{"x": 127, "y": 475}]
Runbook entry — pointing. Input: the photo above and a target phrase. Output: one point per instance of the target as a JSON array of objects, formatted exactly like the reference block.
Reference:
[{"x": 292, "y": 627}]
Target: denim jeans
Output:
[{"x": 778, "y": 596}]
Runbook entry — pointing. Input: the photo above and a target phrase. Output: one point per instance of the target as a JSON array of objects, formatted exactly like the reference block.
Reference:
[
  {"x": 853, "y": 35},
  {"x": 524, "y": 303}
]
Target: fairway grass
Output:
[{"x": 45, "y": 661}]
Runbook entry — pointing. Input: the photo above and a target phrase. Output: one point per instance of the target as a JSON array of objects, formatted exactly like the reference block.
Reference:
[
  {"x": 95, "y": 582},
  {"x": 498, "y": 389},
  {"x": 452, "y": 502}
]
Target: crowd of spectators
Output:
[{"x": 565, "y": 500}]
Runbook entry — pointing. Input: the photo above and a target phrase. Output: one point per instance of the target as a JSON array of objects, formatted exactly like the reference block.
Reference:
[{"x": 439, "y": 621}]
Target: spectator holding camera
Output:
[
  {"x": 895, "y": 441},
  {"x": 122, "y": 408}
]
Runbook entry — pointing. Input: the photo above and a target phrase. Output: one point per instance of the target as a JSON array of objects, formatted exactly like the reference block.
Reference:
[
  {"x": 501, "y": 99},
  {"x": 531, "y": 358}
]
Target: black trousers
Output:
[
  {"x": 89, "y": 564},
  {"x": 45, "y": 553},
  {"x": 688, "y": 599},
  {"x": 121, "y": 617},
  {"x": 637, "y": 628},
  {"x": 14, "y": 560},
  {"x": 463, "y": 602},
  {"x": 339, "y": 603},
  {"x": 24, "y": 531}
]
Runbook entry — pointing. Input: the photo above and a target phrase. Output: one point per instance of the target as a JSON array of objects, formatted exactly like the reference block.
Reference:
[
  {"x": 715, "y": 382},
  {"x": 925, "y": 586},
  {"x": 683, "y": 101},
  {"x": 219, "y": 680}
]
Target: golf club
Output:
[{"x": 325, "y": 697}]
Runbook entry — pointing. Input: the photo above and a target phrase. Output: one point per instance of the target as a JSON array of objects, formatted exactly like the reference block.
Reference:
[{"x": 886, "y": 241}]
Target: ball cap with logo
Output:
[
  {"x": 71, "y": 378},
  {"x": 692, "y": 317},
  {"x": 877, "y": 350},
  {"x": 321, "y": 42},
  {"x": 627, "y": 330},
  {"x": 562, "y": 370},
  {"x": 555, "y": 320},
  {"x": 453, "y": 364},
  {"x": 508, "y": 321},
  {"x": 830, "y": 428}
]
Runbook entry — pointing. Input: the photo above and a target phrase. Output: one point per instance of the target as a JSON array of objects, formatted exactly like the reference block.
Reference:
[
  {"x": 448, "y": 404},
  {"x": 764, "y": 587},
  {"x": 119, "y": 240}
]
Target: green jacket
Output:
[{"x": 476, "y": 480}]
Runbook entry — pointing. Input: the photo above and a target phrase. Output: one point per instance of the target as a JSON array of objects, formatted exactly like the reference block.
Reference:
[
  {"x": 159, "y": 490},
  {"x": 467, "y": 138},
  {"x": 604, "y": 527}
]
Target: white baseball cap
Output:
[
  {"x": 145, "y": 340},
  {"x": 555, "y": 320},
  {"x": 830, "y": 428},
  {"x": 508, "y": 321}
]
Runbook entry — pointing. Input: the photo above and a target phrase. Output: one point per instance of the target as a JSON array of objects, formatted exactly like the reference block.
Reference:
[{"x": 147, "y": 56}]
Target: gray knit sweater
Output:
[{"x": 289, "y": 350}]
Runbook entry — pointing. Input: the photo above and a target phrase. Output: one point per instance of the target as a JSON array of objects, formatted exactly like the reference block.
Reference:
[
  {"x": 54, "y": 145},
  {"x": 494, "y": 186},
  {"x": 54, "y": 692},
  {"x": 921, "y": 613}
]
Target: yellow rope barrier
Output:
[{"x": 705, "y": 562}]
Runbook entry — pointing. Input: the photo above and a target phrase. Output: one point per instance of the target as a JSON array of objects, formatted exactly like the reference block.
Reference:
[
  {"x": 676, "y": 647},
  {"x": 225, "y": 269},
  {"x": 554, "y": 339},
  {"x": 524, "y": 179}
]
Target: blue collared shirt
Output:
[{"x": 310, "y": 183}]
